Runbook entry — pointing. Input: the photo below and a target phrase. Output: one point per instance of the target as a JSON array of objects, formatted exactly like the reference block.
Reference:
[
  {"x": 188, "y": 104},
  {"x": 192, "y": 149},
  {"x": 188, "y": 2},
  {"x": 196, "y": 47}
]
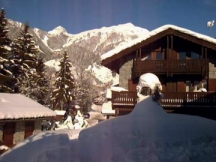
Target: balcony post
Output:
[
  {"x": 206, "y": 65},
  {"x": 167, "y": 53},
  {"x": 202, "y": 61},
  {"x": 139, "y": 51}
]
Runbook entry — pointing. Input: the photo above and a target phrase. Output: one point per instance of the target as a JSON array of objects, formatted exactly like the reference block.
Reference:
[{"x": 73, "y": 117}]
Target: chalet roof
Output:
[
  {"x": 16, "y": 106},
  {"x": 152, "y": 33}
]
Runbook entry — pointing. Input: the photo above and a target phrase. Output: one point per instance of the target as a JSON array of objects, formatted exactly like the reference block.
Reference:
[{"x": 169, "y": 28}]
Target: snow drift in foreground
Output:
[{"x": 147, "y": 134}]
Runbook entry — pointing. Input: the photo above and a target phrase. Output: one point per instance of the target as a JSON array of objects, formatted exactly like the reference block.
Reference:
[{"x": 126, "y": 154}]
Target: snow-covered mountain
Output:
[
  {"x": 91, "y": 44},
  {"x": 98, "y": 41}
]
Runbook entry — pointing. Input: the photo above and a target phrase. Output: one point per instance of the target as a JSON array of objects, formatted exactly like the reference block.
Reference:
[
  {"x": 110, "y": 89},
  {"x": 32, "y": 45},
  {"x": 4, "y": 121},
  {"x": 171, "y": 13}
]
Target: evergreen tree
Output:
[
  {"x": 24, "y": 56},
  {"x": 63, "y": 94},
  {"x": 6, "y": 77},
  {"x": 43, "y": 85}
]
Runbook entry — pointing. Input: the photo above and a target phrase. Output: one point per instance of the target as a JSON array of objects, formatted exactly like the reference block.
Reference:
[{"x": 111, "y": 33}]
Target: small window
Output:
[
  {"x": 159, "y": 56},
  {"x": 196, "y": 85},
  {"x": 204, "y": 84},
  {"x": 195, "y": 55},
  {"x": 182, "y": 55},
  {"x": 188, "y": 85},
  {"x": 149, "y": 57}
]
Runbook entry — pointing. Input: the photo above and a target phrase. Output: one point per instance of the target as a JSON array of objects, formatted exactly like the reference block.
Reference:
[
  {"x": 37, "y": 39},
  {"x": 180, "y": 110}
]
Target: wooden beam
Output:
[
  {"x": 167, "y": 53},
  {"x": 140, "y": 52},
  {"x": 172, "y": 53}
]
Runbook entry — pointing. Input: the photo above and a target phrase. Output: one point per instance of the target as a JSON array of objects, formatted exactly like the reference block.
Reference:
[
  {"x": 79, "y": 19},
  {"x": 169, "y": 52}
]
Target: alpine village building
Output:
[
  {"x": 20, "y": 117},
  {"x": 183, "y": 60}
]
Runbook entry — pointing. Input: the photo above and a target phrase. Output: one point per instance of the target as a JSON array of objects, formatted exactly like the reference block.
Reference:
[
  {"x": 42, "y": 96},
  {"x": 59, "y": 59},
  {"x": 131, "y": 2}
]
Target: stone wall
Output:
[
  {"x": 38, "y": 126},
  {"x": 212, "y": 71},
  {"x": 19, "y": 132},
  {"x": 212, "y": 68},
  {"x": 1, "y": 131},
  {"x": 125, "y": 73}
]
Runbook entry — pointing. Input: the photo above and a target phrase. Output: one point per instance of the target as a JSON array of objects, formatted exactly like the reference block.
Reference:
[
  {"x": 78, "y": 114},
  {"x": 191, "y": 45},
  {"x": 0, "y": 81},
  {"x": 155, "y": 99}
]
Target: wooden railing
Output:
[
  {"x": 171, "y": 99},
  {"x": 171, "y": 66},
  {"x": 124, "y": 98},
  {"x": 188, "y": 99}
]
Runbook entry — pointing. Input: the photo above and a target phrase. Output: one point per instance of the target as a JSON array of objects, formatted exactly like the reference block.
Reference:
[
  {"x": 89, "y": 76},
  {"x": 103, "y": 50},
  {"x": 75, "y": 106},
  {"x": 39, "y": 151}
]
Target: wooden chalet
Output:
[
  {"x": 20, "y": 117},
  {"x": 183, "y": 60}
]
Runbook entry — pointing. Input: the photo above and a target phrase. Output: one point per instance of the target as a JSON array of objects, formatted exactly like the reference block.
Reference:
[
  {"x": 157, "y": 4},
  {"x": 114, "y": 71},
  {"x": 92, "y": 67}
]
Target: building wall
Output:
[
  {"x": 125, "y": 73},
  {"x": 37, "y": 126},
  {"x": 20, "y": 130},
  {"x": 212, "y": 67},
  {"x": 1, "y": 131}
]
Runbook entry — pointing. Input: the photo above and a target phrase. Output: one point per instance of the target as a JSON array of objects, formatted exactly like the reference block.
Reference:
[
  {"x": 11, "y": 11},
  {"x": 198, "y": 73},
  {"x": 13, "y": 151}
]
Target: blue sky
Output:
[{"x": 80, "y": 15}]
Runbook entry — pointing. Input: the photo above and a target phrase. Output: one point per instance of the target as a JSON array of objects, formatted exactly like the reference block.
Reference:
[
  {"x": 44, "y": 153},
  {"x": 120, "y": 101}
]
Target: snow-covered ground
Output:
[{"x": 147, "y": 134}]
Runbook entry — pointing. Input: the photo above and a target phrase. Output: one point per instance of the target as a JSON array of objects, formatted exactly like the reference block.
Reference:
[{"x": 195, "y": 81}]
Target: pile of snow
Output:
[
  {"x": 107, "y": 108},
  {"x": 148, "y": 80},
  {"x": 148, "y": 133}
]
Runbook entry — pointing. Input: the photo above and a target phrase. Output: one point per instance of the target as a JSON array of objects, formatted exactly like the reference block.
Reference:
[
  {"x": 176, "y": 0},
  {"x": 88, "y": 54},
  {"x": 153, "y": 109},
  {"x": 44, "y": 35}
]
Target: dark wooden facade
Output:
[
  {"x": 11, "y": 127},
  {"x": 182, "y": 62}
]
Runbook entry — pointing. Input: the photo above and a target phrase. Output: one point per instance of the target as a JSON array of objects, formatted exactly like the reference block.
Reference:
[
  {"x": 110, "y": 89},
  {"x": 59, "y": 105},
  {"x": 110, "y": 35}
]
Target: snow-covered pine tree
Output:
[
  {"x": 86, "y": 89},
  {"x": 63, "y": 94},
  {"x": 24, "y": 56},
  {"x": 6, "y": 77},
  {"x": 44, "y": 89}
]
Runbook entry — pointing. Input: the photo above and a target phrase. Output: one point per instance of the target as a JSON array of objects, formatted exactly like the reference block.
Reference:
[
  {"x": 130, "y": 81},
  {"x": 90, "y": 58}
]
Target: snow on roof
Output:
[
  {"x": 60, "y": 112},
  {"x": 115, "y": 89},
  {"x": 148, "y": 133},
  {"x": 155, "y": 32},
  {"x": 16, "y": 106},
  {"x": 77, "y": 107}
]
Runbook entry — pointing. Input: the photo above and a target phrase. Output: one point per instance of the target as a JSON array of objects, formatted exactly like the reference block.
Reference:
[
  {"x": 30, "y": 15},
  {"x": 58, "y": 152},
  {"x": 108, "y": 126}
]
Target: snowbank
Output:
[{"x": 148, "y": 133}]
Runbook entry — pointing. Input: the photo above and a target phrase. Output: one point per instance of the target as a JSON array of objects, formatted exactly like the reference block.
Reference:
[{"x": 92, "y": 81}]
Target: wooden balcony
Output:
[
  {"x": 170, "y": 67},
  {"x": 171, "y": 99},
  {"x": 124, "y": 98}
]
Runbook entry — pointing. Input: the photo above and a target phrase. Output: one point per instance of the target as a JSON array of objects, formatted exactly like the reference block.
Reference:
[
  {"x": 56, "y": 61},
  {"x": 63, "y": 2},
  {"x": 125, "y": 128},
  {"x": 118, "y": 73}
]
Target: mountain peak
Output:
[{"x": 58, "y": 30}]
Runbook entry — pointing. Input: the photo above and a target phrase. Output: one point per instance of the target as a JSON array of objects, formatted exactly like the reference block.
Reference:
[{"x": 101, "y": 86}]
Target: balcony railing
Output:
[
  {"x": 171, "y": 99},
  {"x": 171, "y": 67}
]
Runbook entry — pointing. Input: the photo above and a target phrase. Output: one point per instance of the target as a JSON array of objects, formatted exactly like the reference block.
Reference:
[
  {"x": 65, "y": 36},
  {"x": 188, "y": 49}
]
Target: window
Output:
[
  {"x": 188, "y": 85},
  {"x": 195, "y": 55},
  {"x": 159, "y": 56},
  {"x": 149, "y": 57},
  {"x": 196, "y": 85},
  {"x": 182, "y": 55},
  {"x": 204, "y": 84}
]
